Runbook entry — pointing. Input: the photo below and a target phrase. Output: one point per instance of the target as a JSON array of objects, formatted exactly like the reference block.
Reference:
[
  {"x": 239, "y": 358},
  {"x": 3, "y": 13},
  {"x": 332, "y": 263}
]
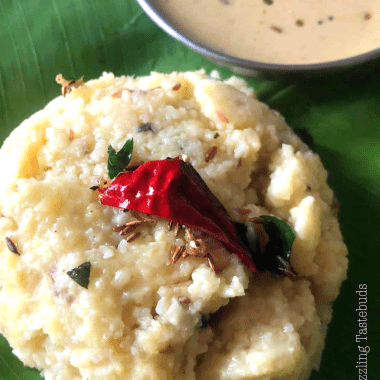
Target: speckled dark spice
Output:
[
  {"x": 176, "y": 87},
  {"x": 145, "y": 128},
  {"x": 12, "y": 246},
  {"x": 276, "y": 29}
]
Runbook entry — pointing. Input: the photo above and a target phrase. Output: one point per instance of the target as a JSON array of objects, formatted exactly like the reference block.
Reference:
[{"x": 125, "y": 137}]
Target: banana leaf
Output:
[{"x": 339, "y": 115}]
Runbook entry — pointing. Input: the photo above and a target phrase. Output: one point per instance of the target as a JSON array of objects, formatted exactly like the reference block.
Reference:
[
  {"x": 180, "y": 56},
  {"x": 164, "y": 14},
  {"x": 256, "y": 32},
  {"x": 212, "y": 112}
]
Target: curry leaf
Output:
[
  {"x": 281, "y": 235},
  {"x": 204, "y": 321},
  {"x": 278, "y": 242},
  {"x": 118, "y": 161},
  {"x": 81, "y": 274}
]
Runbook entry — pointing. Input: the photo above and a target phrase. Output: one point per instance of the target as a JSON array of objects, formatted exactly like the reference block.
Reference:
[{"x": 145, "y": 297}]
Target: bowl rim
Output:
[{"x": 163, "y": 21}]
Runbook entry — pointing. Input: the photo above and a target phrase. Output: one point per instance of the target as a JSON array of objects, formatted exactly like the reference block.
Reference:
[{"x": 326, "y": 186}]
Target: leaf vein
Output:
[
  {"x": 4, "y": 100},
  {"x": 18, "y": 60},
  {"x": 33, "y": 48},
  {"x": 63, "y": 31},
  {"x": 10, "y": 368}
]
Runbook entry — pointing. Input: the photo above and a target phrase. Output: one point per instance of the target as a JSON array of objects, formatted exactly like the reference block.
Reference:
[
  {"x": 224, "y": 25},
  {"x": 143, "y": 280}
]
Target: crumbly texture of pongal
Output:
[{"x": 140, "y": 317}]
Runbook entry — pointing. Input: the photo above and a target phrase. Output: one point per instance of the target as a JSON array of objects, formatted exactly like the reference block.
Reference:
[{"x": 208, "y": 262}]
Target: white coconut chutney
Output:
[{"x": 278, "y": 31}]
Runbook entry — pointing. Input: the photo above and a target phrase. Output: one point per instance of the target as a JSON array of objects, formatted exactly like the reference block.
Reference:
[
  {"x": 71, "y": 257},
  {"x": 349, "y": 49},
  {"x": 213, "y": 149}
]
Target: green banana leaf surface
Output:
[{"x": 337, "y": 115}]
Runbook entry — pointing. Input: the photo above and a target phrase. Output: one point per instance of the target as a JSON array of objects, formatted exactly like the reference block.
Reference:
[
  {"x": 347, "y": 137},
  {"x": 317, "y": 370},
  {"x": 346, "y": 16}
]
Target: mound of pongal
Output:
[{"x": 102, "y": 289}]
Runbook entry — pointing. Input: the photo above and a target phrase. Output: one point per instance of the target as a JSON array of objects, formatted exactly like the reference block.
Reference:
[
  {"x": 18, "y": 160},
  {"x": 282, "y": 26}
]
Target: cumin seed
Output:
[
  {"x": 168, "y": 350},
  {"x": 119, "y": 228},
  {"x": 216, "y": 135},
  {"x": 256, "y": 220},
  {"x": 211, "y": 153},
  {"x": 128, "y": 227},
  {"x": 177, "y": 229},
  {"x": 189, "y": 235},
  {"x": 117, "y": 94},
  {"x": 12, "y": 246},
  {"x": 276, "y": 29},
  {"x": 172, "y": 250},
  {"x": 67, "y": 85},
  {"x": 176, "y": 87},
  {"x": 184, "y": 300},
  {"x": 93, "y": 188},
  {"x": 146, "y": 218},
  {"x": 243, "y": 211},
  {"x": 178, "y": 253},
  {"x": 132, "y": 236},
  {"x": 222, "y": 117},
  {"x": 211, "y": 262},
  {"x": 127, "y": 230},
  {"x": 134, "y": 223}
]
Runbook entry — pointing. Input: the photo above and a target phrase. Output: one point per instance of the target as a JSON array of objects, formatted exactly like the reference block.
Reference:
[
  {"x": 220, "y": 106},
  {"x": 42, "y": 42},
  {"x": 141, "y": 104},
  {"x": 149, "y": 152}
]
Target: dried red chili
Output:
[{"x": 173, "y": 189}]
